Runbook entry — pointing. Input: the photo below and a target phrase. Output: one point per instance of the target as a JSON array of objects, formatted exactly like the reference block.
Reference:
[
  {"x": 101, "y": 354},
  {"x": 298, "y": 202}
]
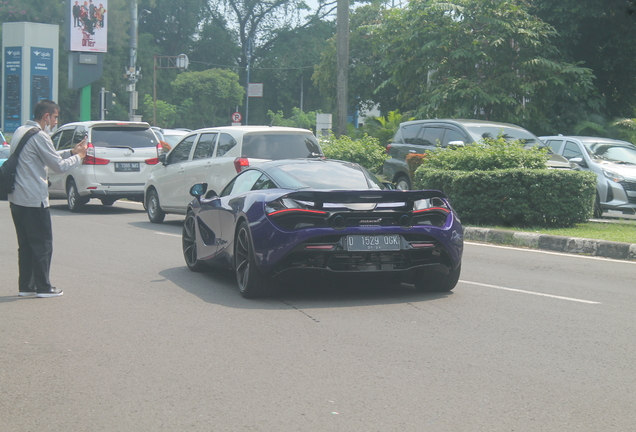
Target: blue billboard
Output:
[
  {"x": 41, "y": 75},
  {"x": 12, "y": 88}
]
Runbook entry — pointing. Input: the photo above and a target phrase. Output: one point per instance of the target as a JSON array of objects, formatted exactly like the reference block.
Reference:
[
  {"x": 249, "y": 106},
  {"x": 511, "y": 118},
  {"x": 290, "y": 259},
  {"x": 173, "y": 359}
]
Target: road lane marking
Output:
[
  {"x": 168, "y": 234},
  {"x": 572, "y": 255},
  {"x": 529, "y": 292}
]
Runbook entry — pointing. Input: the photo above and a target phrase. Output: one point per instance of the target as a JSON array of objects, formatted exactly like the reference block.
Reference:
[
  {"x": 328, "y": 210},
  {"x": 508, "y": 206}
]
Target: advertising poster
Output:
[
  {"x": 41, "y": 75},
  {"x": 88, "y": 25},
  {"x": 12, "y": 88}
]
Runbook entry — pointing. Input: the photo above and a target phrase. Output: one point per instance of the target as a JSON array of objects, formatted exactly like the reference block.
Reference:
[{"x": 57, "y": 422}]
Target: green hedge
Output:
[
  {"x": 519, "y": 197},
  {"x": 366, "y": 151}
]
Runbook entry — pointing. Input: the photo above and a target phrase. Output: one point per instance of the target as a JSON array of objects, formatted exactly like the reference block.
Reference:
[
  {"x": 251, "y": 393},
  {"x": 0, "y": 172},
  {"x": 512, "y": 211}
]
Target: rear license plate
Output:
[
  {"x": 373, "y": 242},
  {"x": 126, "y": 166}
]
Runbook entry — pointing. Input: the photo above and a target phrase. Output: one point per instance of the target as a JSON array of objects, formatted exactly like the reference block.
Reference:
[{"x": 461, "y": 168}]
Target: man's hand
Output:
[{"x": 80, "y": 149}]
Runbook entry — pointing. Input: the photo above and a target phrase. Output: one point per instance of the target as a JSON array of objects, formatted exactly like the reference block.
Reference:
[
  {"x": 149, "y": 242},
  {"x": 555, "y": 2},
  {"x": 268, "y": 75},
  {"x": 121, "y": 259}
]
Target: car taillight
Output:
[
  {"x": 388, "y": 148},
  {"x": 152, "y": 161},
  {"x": 291, "y": 214},
  {"x": 90, "y": 158},
  {"x": 241, "y": 163}
]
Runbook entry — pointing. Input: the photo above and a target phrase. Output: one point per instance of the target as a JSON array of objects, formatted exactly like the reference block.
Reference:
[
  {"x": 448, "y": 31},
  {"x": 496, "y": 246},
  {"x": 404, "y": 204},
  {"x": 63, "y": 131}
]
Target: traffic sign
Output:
[{"x": 237, "y": 117}]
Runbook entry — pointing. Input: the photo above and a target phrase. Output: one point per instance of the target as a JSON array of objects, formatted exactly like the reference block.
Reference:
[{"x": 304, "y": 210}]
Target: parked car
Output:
[
  {"x": 117, "y": 165},
  {"x": 3, "y": 140},
  {"x": 613, "y": 162},
  {"x": 171, "y": 136},
  {"x": 419, "y": 136},
  {"x": 308, "y": 216},
  {"x": 214, "y": 156}
]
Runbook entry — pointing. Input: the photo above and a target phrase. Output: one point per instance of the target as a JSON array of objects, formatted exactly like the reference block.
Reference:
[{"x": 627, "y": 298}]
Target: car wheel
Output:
[
  {"x": 108, "y": 201},
  {"x": 438, "y": 281},
  {"x": 598, "y": 210},
  {"x": 74, "y": 201},
  {"x": 251, "y": 282},
  {"x": 153, "y": 208},
  {"x": 189, "y": 243},
  {"x": 402, "y": 183}
]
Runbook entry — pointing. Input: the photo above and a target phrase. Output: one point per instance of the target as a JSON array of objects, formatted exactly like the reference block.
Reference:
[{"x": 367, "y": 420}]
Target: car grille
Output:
[{"x": 628, "y": 185}]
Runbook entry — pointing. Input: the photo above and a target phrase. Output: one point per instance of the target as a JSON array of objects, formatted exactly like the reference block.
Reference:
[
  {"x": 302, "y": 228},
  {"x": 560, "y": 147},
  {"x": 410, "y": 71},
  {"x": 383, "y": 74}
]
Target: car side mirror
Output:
[
  {"x": 198, "y": 190},
  {"x": 211, "y": 194},
  {"x": 456, "y": 144},
  {"x": 162, "y": 159},
  {"x": 579, "y": 161}
]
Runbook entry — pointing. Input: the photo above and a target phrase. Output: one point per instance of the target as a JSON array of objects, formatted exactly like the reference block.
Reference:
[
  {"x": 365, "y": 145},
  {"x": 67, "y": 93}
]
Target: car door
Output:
[
  {"x": 199, "y": 169},
  {"x": 62, "y": 140},
  {"x": 171, "y": 183},
  {"x": 223, "y": 168}
]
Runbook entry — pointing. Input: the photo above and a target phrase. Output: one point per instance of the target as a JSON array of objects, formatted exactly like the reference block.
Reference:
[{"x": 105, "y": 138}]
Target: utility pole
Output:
[
  {"x": 132, "y": 73},
  {"x": 342, "y": 38}
]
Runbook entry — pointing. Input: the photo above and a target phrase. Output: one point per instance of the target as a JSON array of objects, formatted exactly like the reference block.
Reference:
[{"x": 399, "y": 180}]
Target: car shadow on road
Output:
[
  {"x": 219, "y": 287},
  {"x": 96, "y": 208}
]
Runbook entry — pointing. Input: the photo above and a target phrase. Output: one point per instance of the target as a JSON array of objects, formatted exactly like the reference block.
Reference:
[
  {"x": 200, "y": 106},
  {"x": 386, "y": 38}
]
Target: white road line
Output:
[
  {"x": 571, "y": 255},
  {"x": 529, "y": 292},
  {"x": 168, "y": 234}
]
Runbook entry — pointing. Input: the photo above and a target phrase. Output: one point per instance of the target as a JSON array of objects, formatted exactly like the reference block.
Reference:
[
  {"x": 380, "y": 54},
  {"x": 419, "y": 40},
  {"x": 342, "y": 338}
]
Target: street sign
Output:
[{"x": 237, "y": 117}]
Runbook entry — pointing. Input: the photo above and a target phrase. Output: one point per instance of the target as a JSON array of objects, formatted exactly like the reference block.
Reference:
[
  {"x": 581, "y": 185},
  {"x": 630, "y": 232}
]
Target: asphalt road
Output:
[{"x": 527, "y": 341}]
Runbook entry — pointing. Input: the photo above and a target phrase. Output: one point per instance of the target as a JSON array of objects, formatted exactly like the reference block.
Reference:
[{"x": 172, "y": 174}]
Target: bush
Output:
[
  {"x": 518, "y": 197},
  {"x": 366, "y": 151},
  {"x": 487, "y": 154},
  {"x": 299, "y": 119},
  {"x": 413, "y": 161}
]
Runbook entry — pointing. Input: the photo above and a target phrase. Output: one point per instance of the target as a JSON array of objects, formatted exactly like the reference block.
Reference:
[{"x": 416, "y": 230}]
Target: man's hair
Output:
[{"x": 45, "y": 106}]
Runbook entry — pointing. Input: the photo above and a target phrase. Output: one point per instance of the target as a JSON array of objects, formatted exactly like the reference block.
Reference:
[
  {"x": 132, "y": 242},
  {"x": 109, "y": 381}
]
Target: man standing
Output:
[
  {"x": 30, "y": 200},
  {"x": 76, "y": 14}
]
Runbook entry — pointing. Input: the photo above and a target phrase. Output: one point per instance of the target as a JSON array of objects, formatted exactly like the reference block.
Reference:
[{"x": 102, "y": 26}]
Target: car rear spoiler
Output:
[{"x": 365, "y": 196}]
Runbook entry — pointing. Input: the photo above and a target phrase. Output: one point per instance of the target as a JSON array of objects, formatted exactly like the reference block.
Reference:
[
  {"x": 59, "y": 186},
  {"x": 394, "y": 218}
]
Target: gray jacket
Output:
[{"x": 38, "y": 155}]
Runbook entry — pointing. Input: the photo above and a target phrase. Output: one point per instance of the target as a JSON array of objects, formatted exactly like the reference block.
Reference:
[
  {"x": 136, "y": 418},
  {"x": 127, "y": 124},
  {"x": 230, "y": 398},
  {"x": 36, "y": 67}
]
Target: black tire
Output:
[
  {"x": 153, "y": 208},
  {"x": 250, "y": 281},
  {"x": 74, "y": 201},
  {"x": 438, "y": 281},
  {"x": 189, "y": 244},
  {"x": 598, "y": 210},
  {"x": 402, "y": 183},
  {"x": 108, "y": 201}
]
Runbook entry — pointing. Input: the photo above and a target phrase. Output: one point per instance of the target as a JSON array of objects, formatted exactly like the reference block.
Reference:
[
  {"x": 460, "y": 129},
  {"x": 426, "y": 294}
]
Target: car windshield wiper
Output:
[{"x": 126, "y": 147}]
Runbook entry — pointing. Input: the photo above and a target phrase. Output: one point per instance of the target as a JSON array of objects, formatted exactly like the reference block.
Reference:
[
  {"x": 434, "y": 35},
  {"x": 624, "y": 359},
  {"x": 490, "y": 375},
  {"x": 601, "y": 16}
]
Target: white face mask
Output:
[{"x": 47, "y": 127}]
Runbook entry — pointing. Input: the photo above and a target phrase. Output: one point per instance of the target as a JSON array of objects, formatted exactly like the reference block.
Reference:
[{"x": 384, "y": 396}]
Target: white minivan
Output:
[
  {"x": 117, "y": 165},
  {"x": 214, "y": 156}
]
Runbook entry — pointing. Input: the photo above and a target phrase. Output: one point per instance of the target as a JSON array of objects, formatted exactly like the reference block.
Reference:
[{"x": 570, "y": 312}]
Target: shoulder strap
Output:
[{"x": 24, "y": 139}]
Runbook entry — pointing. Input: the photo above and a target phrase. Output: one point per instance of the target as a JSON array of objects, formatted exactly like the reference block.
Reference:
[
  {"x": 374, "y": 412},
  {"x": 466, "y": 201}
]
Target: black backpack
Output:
[{"x": 8, "y": 168}]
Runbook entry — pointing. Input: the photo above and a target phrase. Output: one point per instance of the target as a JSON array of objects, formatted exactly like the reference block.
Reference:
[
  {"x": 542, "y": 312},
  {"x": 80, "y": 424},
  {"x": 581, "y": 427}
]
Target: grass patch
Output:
[{"x": 623, "y": 231}]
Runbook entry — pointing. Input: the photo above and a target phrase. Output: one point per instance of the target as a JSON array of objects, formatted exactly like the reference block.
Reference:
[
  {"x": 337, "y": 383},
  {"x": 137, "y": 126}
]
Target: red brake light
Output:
[
  {"x": 241, "y": 163},
  {"x": 388, "y": 148},
  {"x": 90, "y": 158},
  {"x": 152, "y": 161}
]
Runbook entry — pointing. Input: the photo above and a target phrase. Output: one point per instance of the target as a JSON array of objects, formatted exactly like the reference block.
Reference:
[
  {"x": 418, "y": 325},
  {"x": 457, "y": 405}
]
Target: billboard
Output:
[
  {"x": 88, "y": 25},
  {"x": 12, "y": 88},
  {"x": 41, "y": 75}
]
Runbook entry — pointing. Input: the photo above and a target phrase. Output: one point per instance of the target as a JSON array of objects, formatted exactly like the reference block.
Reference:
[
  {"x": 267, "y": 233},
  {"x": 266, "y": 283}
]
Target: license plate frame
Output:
[
  {"x": 373, "y": 242},
  {"x": 127, "y": 167}
]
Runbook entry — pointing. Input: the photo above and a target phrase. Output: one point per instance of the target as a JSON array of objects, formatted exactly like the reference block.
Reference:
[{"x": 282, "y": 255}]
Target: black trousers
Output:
[{"x": 35, "y": 246}]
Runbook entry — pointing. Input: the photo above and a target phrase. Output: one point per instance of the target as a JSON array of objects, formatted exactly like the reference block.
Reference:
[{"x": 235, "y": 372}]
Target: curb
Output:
[{"x": 573, "y": 245}]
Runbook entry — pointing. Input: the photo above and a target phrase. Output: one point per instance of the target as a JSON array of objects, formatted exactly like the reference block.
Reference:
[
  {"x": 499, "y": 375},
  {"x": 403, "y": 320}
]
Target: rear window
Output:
[
  {"x": 321, "y": 176},
  {"x": 123, "y": 136},
  {"x": 280, "y": 146}
]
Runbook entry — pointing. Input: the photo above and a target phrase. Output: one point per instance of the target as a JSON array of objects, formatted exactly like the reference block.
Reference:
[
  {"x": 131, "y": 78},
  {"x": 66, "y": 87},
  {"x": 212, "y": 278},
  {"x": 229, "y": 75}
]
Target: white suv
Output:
[
  {"x": 118, "y": 162},
  {"x": 214, "y": 156}
]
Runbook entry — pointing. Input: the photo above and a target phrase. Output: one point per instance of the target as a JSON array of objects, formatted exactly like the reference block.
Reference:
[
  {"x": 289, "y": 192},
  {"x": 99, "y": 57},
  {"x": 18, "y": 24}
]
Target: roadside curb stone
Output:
[{"x": 573, "y": 245}]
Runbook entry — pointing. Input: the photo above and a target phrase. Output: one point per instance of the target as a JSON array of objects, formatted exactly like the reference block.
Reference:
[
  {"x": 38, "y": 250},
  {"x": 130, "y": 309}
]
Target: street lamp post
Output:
[{"x": 171, "y": 62}]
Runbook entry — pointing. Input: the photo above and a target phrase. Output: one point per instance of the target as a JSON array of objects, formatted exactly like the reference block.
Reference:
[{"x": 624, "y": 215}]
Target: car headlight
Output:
[{"x": 613, "y": 176}]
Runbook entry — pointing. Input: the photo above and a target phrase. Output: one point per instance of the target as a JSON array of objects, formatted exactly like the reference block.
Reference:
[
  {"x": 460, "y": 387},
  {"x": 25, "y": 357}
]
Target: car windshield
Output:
[
  {"x": 624, "y": 153},
  {"x": 478, "y": 132},
  {"x": 123, "y": 137},
  {"x": 276, "y": 146},
  {"x": 173, "y": 140},
  {"x": 323, "y": 176}
]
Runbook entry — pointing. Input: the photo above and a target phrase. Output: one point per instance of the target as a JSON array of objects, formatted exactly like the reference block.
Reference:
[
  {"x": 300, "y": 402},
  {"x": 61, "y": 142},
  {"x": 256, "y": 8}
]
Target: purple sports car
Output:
[{"x": 316, "y": 215}]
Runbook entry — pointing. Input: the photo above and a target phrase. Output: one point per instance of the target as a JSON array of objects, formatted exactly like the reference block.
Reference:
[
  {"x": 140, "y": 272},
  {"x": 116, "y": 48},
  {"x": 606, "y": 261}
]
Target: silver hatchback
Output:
[{"x": 613, "y": 162}]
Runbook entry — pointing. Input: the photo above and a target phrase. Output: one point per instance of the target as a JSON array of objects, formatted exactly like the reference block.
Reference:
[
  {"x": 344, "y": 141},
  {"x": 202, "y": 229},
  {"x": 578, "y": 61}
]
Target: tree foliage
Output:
[
  {"x": 208, "y": 96},
  {"x": 487, "y": 59}
]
